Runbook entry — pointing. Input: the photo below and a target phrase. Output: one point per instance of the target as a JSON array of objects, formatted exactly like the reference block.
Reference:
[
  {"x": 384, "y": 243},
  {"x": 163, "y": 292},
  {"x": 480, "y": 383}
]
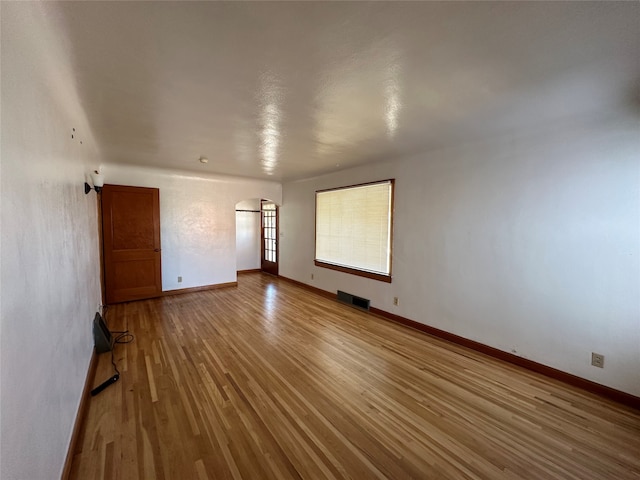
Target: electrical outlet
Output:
[
  {"x": 312, "y": 276},
  {"x": 396, "y": 302},
  {"x": 597, "y": 360},
  {"x": 179, "y": 279}
]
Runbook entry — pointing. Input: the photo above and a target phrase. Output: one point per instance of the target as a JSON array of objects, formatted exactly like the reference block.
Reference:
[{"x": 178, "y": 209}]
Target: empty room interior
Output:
[{"x": 273, "y": 240}]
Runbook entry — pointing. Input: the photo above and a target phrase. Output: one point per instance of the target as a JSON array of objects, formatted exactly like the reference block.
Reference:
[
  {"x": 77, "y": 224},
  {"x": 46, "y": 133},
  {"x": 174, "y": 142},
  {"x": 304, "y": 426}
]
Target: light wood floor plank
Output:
[{"x": 269, "y": 381}]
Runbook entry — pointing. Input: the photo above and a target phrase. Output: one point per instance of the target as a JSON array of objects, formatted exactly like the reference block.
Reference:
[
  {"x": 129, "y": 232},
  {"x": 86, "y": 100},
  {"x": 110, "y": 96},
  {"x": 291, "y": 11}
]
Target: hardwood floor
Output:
[{"x": 267, "y": 380}]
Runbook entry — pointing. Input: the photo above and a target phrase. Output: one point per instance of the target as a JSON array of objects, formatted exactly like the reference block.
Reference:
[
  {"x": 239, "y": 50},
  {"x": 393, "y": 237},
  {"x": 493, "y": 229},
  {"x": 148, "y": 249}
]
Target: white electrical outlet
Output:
[
  {"x": 179, "y": 279},
  {"x": 597, "y": 360},
  {"x": 396, "y": 301},
  {"x": 312, "y": 276}
]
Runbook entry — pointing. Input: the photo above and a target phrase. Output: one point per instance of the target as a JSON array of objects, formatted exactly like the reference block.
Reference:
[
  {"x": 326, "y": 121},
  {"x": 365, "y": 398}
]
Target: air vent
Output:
[{"x": 354, "y": 301}]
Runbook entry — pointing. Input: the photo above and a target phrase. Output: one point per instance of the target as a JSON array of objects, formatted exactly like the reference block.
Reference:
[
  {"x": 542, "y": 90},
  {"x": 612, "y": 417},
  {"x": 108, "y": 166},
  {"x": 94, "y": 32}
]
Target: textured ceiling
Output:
[{"x": 292, "y": 90}]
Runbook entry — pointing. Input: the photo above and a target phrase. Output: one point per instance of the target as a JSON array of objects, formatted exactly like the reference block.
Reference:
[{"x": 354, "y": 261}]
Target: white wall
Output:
[
  {"x": 528, "y": 243},
  {"x": 197, "y": 220},
  {"x": 248, "y": 235},
  {"x": 49, "y": 273}
]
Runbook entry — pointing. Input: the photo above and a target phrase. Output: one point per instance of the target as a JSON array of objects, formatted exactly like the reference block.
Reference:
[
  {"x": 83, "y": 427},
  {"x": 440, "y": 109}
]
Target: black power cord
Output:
[{"x": 123, "y": 337}]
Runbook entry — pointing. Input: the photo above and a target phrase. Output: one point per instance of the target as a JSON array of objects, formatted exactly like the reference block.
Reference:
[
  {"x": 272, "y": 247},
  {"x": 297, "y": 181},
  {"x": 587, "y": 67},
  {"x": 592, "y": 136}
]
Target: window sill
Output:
[{"x": 353, "y": 271}]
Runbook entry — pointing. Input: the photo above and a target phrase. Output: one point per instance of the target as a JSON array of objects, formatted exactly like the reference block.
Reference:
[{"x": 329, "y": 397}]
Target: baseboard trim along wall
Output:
[
  {"x": 593, "y": 387},
  {"x": 215, "y": 286},
  {"x": 253, "y": 270},
  {"x": 80, "y": 416}
]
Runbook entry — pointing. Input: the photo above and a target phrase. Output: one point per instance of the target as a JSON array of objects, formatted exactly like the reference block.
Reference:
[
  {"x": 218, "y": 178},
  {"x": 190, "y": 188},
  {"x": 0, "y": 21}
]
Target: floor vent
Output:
[{"x": 354, "y": 301}]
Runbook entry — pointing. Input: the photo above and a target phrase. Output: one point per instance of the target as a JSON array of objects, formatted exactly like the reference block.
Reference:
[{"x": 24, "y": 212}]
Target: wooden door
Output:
[
  {"x": 269, "y": 244},
  {"x": 131, "y": 242}
]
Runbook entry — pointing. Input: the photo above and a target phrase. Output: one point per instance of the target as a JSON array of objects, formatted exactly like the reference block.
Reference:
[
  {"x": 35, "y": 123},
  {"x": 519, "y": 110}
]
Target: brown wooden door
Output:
[
  {"x": 269, "y": 245},
  {"x": 131, "y": 242}
]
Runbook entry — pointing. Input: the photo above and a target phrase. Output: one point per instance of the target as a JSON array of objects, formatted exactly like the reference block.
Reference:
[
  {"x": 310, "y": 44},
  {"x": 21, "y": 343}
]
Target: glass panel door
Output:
[{"x": 269, "y": 214}]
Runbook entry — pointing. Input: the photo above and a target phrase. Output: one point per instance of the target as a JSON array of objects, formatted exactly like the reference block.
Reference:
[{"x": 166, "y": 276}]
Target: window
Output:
[{"x": 353, "y": 229}]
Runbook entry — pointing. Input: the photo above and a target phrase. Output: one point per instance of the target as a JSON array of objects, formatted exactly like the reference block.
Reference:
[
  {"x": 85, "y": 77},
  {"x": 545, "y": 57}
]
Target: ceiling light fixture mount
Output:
[{"x": 98, "y": 182}]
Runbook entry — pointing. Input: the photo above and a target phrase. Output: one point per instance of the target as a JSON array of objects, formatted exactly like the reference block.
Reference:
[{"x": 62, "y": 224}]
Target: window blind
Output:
[{"x": 353, "y": 227}]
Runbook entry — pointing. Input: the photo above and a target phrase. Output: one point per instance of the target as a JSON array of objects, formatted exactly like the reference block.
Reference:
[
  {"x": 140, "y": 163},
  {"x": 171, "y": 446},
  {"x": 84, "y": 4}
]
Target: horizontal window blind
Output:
[{"x": 353, "y": 227}]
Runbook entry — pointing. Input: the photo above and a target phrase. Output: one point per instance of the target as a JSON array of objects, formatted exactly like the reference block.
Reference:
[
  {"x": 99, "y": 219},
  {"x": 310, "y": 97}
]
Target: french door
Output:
[{"x": 269, "y": 244}]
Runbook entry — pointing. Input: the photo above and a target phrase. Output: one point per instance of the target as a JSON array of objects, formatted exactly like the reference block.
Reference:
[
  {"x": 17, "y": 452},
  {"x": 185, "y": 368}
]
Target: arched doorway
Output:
[{"x": 248, "y": 234}]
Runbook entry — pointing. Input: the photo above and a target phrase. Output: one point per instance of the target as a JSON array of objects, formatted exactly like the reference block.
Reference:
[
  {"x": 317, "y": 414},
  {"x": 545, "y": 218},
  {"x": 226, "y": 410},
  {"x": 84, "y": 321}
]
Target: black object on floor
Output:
[{"x": 105, "y": 384}]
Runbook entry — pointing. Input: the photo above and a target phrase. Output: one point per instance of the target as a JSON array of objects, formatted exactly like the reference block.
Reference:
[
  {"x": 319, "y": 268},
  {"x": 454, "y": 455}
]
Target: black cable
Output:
[
  {"x": 123, "y": 334},
  {"x": 113, "y": 362},
  {"x": 123, "y": 337},
  {"x": 119, "y": 339}
]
